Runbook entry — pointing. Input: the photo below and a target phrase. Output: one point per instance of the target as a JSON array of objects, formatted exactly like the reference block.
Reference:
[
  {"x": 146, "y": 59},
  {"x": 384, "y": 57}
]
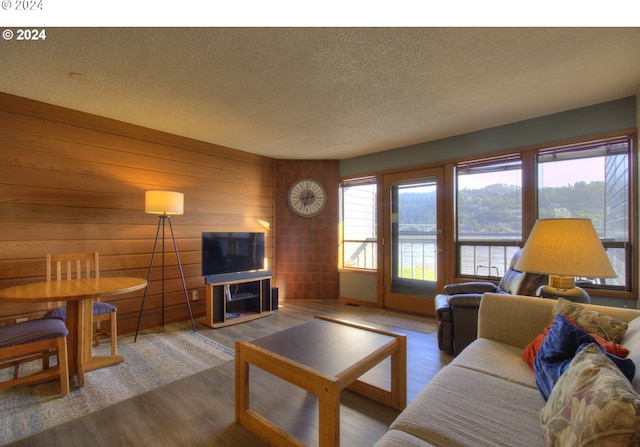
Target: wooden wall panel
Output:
[{"x": 74, "y": 182}]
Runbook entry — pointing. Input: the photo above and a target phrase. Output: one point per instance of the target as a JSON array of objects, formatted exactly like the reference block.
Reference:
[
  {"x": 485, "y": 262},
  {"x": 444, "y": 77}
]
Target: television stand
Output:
[{"x": 237, "y": 297}]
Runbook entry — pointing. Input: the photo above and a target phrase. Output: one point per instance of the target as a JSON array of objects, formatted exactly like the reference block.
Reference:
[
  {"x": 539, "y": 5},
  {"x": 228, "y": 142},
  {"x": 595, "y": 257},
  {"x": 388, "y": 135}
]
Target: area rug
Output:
[
  {"x": 404, "y": 321},
  {"x": 155, "y": 359}
]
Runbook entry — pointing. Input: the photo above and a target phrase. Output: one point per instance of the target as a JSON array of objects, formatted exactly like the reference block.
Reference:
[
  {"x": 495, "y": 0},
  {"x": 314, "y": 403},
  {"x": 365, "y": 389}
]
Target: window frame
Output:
[
  {"x": 600, "y": 148},
  {"x": 529, "y": 206},
  {"x": 372, "y": 241},
  {"x": 505, "y": 246}
]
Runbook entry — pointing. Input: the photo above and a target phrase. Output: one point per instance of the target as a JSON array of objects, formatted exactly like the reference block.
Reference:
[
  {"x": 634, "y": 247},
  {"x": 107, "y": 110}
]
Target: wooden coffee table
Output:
[{"x": 322, "y": 356}]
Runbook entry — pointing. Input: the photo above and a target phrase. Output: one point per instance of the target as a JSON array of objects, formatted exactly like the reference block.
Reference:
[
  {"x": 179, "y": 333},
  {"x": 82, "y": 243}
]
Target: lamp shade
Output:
[
  {"x": 163, "y": 202},
  {"x": 565, "y": 247}
]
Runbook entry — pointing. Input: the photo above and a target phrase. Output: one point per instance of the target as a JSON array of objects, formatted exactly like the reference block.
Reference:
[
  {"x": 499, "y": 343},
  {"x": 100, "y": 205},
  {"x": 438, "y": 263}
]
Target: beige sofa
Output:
[{"x": 487, "y": 396}]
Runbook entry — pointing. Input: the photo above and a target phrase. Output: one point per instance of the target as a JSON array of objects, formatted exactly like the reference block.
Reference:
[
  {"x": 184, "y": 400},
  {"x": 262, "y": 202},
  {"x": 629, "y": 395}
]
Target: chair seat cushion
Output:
[
  {"x": 99, "y": 308},
  {"x": 32, "y": 331},
  {"x": 57, "y": 312}
]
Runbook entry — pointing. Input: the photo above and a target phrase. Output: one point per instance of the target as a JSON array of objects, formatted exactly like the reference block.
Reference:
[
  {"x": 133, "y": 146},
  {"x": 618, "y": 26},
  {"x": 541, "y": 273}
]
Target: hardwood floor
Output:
[{"x": 199, "y": 410}]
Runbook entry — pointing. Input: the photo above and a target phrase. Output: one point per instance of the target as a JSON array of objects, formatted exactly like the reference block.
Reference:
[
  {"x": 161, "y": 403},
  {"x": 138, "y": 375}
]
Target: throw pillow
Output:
[
  {"x": 592, "y": 405},
  {"x": 561, "y": 344},
  {"x": 592, "y": 321},
  {"x": 531, "y": 350},
  {"x": 631, "y": 342}
]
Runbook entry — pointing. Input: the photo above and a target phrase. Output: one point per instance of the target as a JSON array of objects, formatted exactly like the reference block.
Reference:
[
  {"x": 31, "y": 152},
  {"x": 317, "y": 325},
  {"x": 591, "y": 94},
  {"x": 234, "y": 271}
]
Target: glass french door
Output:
[{"x": 413, "y": 261}]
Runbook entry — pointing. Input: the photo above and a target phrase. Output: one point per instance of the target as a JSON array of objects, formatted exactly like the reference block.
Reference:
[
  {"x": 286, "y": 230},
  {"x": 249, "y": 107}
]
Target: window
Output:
[
  {"x": 497, "y": 199},
  {"x": 591, "y": 181},
  {"x": 489, "y": 215},
  {"x": 359, "y": 228}
]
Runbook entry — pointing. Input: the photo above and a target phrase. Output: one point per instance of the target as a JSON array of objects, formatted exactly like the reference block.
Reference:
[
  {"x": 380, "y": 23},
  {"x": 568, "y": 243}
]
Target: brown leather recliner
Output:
[{"x": 457, "y": 309}]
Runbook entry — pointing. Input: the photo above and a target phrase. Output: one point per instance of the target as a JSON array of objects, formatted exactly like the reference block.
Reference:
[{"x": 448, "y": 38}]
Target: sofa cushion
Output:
[
  {"x": 463, "y": 407},
  {"x": 397, "y": 438},
  {"x": 496, "y": 359},
  {"x": 592, "y": 405},
  {"x": 561, "y": 344},
  {"x": 592, "y": 321}
]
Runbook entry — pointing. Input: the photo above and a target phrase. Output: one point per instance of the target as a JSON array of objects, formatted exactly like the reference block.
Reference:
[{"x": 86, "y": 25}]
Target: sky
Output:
[
  {"x": 554, "y": 174},
  {"x": 570, "y": 172}
]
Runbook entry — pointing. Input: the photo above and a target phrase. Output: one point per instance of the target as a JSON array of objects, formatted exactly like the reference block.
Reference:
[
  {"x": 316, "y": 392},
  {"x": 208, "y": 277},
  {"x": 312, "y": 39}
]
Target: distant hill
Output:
[{"x": 496, "y": 208}]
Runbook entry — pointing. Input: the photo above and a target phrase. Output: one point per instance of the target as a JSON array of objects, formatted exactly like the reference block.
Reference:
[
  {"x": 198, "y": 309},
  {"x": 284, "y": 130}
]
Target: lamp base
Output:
[{"x": 575, "y": 294}]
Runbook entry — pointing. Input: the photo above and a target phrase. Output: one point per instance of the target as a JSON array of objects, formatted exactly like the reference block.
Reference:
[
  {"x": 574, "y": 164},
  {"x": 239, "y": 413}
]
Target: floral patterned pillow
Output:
[
  {"x": 592, "y": 405},
  {"x": 631, "y": 342},
  {"x": 592, "y": 321}
]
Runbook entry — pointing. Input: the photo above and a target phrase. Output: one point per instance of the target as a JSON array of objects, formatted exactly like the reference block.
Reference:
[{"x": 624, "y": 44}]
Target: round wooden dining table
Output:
[{"x": 79, "y": 295}]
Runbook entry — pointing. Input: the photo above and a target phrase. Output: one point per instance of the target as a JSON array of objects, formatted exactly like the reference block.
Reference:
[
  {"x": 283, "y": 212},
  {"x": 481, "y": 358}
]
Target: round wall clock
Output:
[{"x": 307, "y": 197}]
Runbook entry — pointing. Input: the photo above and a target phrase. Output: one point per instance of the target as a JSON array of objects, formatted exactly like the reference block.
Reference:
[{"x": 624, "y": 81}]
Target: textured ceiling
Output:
[{"x": 323, "y": 93}]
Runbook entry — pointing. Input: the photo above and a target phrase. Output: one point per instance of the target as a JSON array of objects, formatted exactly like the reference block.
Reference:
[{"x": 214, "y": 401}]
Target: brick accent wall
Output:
[{"x": 307, "y": 248}]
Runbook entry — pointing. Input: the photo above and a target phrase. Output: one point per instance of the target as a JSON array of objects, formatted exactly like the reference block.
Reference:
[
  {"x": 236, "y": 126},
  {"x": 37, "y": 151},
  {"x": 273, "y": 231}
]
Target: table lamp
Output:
[
  {"x": 564, "y": 249},
  {"x": 165, "y": 204}
]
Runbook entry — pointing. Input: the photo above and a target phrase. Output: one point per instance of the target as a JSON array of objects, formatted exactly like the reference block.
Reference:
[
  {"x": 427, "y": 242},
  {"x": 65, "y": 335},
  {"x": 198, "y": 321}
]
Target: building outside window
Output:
[
  {"x": 359, "y": 225},
  {"x": 591, "y": 181}
]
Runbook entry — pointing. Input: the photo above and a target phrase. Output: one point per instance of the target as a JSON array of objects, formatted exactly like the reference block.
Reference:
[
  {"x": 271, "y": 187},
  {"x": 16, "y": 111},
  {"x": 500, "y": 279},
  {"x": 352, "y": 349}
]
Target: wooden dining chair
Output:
[
  {"x": 31, "y": 340},
  {"x": 76, "y": 266}
]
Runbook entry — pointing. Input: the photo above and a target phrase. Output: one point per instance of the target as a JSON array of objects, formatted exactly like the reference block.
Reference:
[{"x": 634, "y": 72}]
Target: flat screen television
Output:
[{"x": 231, "y": 252}]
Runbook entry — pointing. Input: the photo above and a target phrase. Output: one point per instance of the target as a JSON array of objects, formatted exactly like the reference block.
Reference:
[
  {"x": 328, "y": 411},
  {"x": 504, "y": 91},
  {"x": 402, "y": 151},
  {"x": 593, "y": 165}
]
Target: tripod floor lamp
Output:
[{"x": 165, "y": 204}]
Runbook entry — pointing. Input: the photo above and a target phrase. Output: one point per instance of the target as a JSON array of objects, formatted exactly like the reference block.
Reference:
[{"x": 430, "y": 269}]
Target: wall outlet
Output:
[{"x": 194, "y": 295}]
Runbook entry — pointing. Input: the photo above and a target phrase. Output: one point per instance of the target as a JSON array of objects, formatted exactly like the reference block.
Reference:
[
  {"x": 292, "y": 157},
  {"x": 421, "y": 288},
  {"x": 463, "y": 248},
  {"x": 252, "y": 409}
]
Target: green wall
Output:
[{"x": 608, "y": 116}]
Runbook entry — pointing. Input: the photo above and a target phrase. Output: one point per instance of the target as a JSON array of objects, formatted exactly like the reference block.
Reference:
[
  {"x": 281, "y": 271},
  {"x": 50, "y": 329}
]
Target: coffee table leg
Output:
[
  {"x": 329, "y": 416},
  {"x": 242, "y": 385},
  {"x": 399, "y": 376}
]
